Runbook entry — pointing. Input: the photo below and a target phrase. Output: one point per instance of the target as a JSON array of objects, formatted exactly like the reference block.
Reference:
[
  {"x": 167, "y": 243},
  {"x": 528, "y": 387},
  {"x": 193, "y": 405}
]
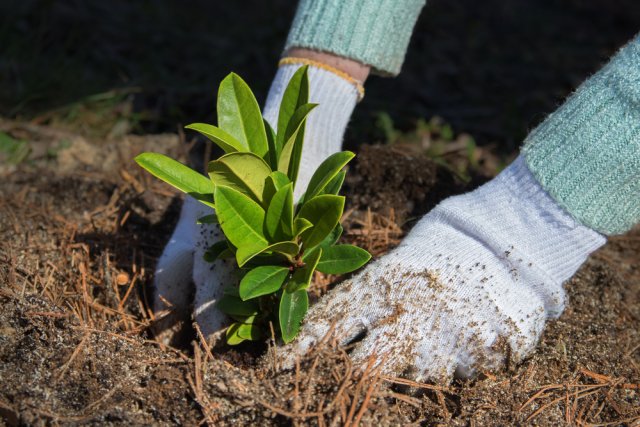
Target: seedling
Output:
[{"x": 277, "y": 243}]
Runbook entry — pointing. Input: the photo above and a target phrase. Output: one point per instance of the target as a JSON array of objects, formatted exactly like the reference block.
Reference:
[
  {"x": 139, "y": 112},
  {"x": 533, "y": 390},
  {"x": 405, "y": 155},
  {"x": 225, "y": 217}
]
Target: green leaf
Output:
[
  {"x": 288, "y": 249},
  {"x": 233, "y": 338},
  {"x": 272, "y": 154},
  {"x": 239, "y": 114},
  {"x": 285, "y": 156},
  {"x": 241, "y": 220},
  {"x": 279, "y": 218},
  {"x": 244, "y": 172},
  {"x": 332, "y": 237},
  {"x": 249, "y": 332},
  {"x": 234, "y": 306},
  {"x": 279, "y": 179},
  {"x": 215, "y": 250},
  {"x": 222, "y": 139},
  {"x": 326, "y": 172},
  {"x": 208, "y": 219},
  {"x": 275, "y": 181},
  {"x": 289, "y": 161},
  {"x": 262, "y": 280},
  {"x": 295, "y": 95},
  {"x": 330, "y": 240},
  {"x": 247, "y": 253},
  {"x": 324, "y": 213},
  {"x": 293, "y": 307},
  {"x": 180, "y": 176},
  {"x": 298, "y": 135},
  {"x": 301, "y": 278},
  {"x": 300, "y": 225},
  {"x": 341, "y": 259},
  {"x": 334, "y": 186}
]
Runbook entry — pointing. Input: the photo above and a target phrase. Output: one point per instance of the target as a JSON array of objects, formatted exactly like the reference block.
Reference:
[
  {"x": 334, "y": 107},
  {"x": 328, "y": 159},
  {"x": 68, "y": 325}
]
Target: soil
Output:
[{"x": 82, "y": 229}]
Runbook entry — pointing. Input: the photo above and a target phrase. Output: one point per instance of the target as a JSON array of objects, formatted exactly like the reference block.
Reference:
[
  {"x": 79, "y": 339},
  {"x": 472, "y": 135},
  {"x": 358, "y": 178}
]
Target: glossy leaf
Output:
[
  {"x": 222, "y": 139},
  {"x": 275, "y": 181},
  {"x": 240, "y": 331},
  {"x": 245, "y": 254},
  {"x": 293, "y": 307},
  {"x": 288, "y": 249},
  {"x": 330, "y": 240},
  {"x": 332, "y": 237},
  {"x": 244, "y": 172},
  {"x": 296, "y": 152},
  {"x": 241, "y": 219},
  {"x": 300, "y": 225},
  {"x": 279, "y": 217},
  {"x": 324, "y": 213},
  {"x": 295, "y": 95},
  {"x": 341, "y": 259},
  {"x": 232, "y": 336},
  {"x": 272, "y": 154},
  {"x": 262, "y": 280},
  {"x": 334, "y": 186},
  {"x": 249, "y": 331},
  {"x": 301, "y": 278},
  {"x": 327, "y": 170},
  {"x": 239, "y": 114},
  {"x": 279, "y": 179},
  {"x": 234, "y": 306},
  {"x": 178, "y": 175},
  {"x": 289, "y": 161},
  {"x": 297, "y": 120}
]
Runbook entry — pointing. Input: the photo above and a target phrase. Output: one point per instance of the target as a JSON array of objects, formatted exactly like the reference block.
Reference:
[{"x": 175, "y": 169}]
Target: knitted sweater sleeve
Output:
[
  {"x": 587, "y": 154},
  {"x": 374, "y": 32}
]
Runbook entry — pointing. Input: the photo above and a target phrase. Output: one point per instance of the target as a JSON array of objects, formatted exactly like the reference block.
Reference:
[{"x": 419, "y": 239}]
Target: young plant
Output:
[{"x": 276, "y": 242}]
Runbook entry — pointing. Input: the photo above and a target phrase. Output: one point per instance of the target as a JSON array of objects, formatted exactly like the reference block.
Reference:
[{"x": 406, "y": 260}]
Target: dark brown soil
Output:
[
  {"x": 80, "y": 233},
  {"x": 54, "y": 369}
]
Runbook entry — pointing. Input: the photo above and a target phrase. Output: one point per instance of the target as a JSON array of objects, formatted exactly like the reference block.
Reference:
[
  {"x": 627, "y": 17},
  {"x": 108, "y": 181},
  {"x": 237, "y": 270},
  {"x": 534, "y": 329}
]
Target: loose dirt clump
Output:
[
  {"x": 77, "y": 254},
  {"x": 394, "y": 179}
]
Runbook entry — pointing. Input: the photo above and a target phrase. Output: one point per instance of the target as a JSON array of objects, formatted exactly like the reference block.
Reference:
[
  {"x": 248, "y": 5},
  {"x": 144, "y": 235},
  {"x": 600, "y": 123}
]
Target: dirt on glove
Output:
[{"x": 81, "y": 232}]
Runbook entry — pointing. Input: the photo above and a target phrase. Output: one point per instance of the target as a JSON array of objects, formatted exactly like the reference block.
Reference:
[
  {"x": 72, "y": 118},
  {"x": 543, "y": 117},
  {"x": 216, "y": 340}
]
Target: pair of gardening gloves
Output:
[{"x": 471, "y": 285}]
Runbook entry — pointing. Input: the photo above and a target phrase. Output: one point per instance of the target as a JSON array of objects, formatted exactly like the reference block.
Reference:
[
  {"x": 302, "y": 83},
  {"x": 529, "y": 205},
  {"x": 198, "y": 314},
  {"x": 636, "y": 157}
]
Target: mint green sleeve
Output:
[
  {"x": 587, "y": 154},
  {"x": 374, "y": 32}
]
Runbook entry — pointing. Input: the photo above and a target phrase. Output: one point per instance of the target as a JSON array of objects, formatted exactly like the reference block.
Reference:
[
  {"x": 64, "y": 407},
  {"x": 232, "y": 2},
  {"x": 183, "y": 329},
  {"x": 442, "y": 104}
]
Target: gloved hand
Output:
[
  {"x": 182, "y": 265},
  {"x": 472, "y": 284}
]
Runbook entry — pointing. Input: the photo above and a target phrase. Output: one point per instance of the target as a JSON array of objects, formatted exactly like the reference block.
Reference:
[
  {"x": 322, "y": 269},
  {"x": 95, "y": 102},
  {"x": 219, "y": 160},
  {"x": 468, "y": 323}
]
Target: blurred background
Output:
[{"x": 490, "y": 69}]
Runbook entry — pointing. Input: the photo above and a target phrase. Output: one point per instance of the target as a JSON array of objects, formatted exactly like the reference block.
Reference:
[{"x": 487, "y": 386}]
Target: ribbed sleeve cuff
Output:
[
  {"x": 374, "y": 32},
  {"x": 587, "y": 153}
]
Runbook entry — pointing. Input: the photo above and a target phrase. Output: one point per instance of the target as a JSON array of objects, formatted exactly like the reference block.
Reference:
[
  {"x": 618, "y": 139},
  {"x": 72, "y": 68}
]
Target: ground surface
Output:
[
  {"x": 81, "y": 231},
  {"x": 86, "y": 85}
]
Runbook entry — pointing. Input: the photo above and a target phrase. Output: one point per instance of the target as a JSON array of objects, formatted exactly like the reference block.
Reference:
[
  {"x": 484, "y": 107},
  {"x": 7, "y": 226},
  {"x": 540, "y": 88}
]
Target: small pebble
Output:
[{"x": 122, "y": 279}]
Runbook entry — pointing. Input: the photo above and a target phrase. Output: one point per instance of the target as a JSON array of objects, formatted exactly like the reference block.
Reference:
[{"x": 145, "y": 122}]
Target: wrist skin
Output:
[{"x": 355, "y": 69}]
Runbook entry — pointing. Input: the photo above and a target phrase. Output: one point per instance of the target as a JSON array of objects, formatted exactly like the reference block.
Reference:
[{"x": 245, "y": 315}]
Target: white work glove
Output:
[
  {"x": 182, "y": 263},
  {"x": 473, "y": 283}
]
